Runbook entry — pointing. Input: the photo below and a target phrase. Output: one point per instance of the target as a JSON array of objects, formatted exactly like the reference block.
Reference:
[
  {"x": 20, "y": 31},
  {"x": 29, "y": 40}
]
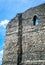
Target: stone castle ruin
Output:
[{"x": 25, "y": 38}]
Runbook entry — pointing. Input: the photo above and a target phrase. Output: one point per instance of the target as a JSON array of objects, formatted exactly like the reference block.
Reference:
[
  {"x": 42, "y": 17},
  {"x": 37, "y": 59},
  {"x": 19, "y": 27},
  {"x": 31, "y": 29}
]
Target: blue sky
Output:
[{"x": 8, "y": 10}]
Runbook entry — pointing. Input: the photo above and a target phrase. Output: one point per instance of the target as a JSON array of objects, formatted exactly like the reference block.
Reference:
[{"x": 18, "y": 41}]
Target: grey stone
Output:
[{"x": 24, "y": 41}]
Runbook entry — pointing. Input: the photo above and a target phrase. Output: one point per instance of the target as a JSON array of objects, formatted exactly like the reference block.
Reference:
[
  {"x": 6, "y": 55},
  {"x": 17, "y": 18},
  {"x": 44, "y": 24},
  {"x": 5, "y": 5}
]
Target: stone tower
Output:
[{"x": 25, "y": 38}]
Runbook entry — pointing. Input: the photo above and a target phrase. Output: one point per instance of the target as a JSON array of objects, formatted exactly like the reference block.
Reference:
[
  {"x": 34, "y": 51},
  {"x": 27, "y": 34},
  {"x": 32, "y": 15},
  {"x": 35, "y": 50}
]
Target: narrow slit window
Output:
[{"x": 35, "y": 20}]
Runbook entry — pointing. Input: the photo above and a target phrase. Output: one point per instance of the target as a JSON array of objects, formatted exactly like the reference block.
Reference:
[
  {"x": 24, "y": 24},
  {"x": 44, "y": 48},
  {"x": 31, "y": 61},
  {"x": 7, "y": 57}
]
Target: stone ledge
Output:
[{"x": 34, "y": 61}]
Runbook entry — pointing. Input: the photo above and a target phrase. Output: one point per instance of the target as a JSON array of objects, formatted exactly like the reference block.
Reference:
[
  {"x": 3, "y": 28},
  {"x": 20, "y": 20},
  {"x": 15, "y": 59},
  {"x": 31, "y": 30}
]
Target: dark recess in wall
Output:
[{"x": 19, "y": 52}]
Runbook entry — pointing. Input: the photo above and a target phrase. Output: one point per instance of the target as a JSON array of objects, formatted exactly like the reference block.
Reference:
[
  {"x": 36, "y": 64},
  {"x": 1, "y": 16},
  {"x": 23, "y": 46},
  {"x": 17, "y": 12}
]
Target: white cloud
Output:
[
  {"x": 1, "y": 55},
  {"x": 1, "y": 51},
  {"x": 4, "y": 23}
]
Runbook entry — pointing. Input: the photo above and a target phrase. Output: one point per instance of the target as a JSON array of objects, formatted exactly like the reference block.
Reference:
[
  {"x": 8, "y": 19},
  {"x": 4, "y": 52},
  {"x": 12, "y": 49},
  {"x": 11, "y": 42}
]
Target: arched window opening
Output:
[{"x": 35, "y": 20}]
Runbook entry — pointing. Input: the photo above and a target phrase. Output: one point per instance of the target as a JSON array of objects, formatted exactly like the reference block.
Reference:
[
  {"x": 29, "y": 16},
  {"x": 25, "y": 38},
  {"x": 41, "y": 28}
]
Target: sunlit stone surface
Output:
[{"x": 25, "y": 40}]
